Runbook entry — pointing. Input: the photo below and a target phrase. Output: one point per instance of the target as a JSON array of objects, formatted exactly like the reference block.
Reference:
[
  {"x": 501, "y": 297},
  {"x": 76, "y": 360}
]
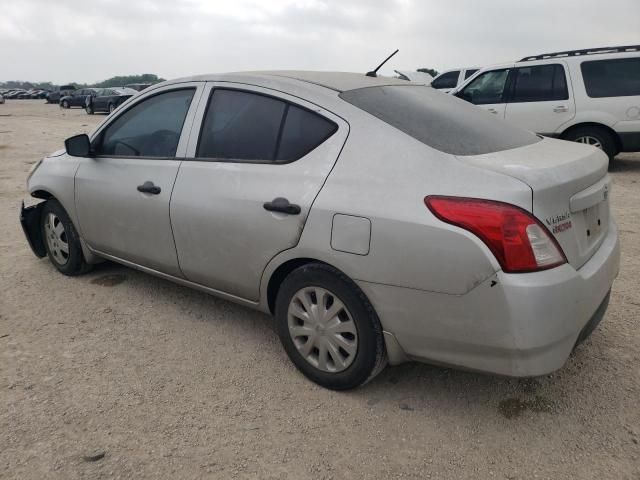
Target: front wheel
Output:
[
  {"x": 65, "y": 104},
  {"x": 112, "y": 107},
  {"x": 328, "y": 328},
  {"x": 61, "y": 240}
]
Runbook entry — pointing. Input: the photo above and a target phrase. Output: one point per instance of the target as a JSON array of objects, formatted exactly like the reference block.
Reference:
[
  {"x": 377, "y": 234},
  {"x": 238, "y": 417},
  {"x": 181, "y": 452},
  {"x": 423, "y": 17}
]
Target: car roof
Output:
[{"x": 337, "y": 81}]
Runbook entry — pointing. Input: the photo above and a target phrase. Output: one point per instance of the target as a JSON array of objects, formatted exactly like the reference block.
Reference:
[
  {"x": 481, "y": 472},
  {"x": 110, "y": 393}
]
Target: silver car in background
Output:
[{"x": 377, "y": 220}]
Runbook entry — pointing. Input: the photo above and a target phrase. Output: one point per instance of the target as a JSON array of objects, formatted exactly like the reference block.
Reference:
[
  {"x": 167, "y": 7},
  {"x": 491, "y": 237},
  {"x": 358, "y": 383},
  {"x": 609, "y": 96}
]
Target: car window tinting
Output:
[
  {"x": 240, "y": 125},
  {"x": 470, "y": 72},
  {"x": 150, "y": 128},
  {"x": 302, "y": 132},
  {"x": 487, "y": 88},
  {"x": 443, "y": 122},
  {"x": 446, "y": 80},
  {"x": 540, "y": 83},
  {"x": 612, "y": 78}
]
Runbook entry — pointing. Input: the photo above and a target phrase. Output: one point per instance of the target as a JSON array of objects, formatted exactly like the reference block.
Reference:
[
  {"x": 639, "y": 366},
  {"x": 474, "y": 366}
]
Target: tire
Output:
[
  {"x": 596, "y": 136},
  {"x": 65, "y": 104},
  {"x": 112, "y": 107},
  {"x": 58, "y": 234},
  {"x": 353, "y": 316}
]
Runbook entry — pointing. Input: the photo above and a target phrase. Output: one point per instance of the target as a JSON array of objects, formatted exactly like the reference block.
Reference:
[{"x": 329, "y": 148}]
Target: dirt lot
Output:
[{"x": 168, "y": 382}]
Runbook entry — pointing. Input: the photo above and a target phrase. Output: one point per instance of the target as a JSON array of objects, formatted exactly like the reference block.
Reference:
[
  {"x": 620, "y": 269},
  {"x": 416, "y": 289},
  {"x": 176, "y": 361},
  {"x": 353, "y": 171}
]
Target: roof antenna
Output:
[{"x": 374, "y": 73}]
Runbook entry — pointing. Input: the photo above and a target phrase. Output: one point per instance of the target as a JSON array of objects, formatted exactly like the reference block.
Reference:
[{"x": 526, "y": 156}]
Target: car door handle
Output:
[
  {"x": 282, "y": 205},
  {"x": 492, "y": 110},
  {"x": 561, "y": 109},
  {"x": 149, "y": 187}
]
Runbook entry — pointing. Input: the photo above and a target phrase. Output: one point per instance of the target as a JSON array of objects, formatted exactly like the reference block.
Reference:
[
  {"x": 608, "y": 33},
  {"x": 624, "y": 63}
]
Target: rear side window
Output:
[
  {"x": 240, "y": 125},
  {"x": 612, "y": 78},
  {"x": 446, "y": 80},
  {"x": 151, "y": 128},
  {"x": 443, "y": 122},
  {"x": 540, "y": 83}
]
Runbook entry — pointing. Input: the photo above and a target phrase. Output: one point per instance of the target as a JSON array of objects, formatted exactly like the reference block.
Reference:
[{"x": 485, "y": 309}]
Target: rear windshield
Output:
[{"x": 438, "y": 120}]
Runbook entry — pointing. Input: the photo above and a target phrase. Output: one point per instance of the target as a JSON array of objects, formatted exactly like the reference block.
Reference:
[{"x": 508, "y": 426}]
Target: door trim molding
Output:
[{"x": 179, "y": 281}]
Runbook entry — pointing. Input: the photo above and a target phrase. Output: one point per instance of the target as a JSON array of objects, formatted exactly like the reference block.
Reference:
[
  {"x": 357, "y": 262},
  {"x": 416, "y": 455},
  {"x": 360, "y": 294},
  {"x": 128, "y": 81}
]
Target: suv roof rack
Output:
[{"x": 588, "y": 51}]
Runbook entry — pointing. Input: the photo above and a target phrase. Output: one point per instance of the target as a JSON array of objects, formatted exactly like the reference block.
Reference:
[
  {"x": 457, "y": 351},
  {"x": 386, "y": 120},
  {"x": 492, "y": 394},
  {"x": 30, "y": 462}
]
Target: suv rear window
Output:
[
  {"x": 618, "y": 77},
  {"x": 443, "y": 122}
]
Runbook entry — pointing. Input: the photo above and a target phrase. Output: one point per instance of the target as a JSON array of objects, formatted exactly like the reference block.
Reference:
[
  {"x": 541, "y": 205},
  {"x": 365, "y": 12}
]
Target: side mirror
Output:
[{"x": 78, "y": 145}]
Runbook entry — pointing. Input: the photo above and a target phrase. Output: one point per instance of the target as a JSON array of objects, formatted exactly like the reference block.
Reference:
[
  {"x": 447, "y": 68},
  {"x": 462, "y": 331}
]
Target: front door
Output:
[
  {"x": 540, "y": 98},
  {"x": 487, "y": 91},
  {"x": 247, "y": 185},
  {"x": 122, "y": 194}
]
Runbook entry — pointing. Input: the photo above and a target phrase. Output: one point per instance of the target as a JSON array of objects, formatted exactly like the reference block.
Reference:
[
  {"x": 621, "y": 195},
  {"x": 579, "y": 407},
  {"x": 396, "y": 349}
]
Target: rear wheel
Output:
[
  {"x": 65, "y": 104},
  {"x": 328, "y": 328},
  {"x": 61, "y": 240},
  {"x": 595, "y": 136},
  {"x": 112, "y": 107}
]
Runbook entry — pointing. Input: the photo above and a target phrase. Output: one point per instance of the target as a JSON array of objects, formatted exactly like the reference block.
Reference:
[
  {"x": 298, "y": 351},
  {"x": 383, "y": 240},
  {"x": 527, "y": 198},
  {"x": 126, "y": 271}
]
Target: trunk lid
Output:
[{"x": 570, "y": 189}]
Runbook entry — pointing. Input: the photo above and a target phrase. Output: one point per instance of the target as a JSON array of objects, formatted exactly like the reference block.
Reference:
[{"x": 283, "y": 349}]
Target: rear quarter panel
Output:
[{"x": 383, "y": 174}]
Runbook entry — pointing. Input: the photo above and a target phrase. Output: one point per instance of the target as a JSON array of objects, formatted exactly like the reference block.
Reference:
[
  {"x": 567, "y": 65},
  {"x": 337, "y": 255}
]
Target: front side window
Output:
[
  {"x": 446, "y": 80},
  {"x": 540, "y": 83},
  {"x": 240, "y": 125},
  {"x": 487, "y": 88},
  {"x": 151, "y": 128},
  {"x": 612, "y": 78}
]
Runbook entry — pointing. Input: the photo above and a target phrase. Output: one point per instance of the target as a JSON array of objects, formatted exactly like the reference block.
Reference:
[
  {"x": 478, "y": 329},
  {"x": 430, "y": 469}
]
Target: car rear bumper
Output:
[
  {"x": 630, "y": 141},
  {"x": 512, "y": 324}
]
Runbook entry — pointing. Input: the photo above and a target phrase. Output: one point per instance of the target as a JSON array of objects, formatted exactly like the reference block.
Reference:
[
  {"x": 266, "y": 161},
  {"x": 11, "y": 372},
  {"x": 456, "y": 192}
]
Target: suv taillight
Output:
[{"x": 518, "y": 240}]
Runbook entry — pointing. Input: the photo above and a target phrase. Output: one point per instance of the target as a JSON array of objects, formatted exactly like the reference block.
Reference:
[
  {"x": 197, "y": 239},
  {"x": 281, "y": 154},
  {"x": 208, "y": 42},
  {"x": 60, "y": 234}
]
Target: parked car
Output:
[
  {"x": 108, "y": 99},
  {"x": 78, "y": 98},
  {"x": 377, "y": 220},
  {"x": 1, "y": 98},
  {"x": 54, "y": 97},
  {"x": 588, "y": 96},
  {"x": 414, "y": 76},
  {"x": 447, "y": 81},
  {"x": 138, "y": 87}
]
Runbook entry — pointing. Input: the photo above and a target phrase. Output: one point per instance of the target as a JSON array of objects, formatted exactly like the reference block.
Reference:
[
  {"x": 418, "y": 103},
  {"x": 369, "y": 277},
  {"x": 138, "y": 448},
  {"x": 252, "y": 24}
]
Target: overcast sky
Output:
[{"x": 91, "y": 40}]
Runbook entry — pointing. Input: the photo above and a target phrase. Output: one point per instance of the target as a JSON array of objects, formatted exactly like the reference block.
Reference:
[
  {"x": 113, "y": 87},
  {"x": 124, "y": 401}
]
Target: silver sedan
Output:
[{"x": 377, "y": 220}]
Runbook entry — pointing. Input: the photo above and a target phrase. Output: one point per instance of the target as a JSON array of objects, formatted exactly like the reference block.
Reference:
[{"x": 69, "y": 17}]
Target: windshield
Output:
[{"x": 438, "y": 120}]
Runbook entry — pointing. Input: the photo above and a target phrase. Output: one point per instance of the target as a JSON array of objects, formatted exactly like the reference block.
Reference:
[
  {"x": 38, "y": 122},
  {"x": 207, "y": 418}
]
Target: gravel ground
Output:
[{"x": 118, "y": 374}]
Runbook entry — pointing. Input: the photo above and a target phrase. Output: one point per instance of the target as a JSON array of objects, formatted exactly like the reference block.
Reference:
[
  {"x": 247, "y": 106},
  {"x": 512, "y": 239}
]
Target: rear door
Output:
[
  {"x": 123, "y": 193},
  {"x": 488, "y": 91},
  {"x": 256, "y": 160},
  {"x": 540, "y": 97}
]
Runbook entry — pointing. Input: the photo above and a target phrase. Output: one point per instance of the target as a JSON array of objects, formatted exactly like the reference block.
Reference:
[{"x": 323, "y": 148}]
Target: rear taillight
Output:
[{"x": 517, "y": 239}]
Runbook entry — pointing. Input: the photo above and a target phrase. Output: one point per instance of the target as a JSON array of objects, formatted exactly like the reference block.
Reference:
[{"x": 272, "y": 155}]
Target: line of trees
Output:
[{"x": 117, "y": 81}]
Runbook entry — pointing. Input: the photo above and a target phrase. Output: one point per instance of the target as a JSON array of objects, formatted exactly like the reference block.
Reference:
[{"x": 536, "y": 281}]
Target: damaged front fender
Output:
[{"x": 30, "y": 221}]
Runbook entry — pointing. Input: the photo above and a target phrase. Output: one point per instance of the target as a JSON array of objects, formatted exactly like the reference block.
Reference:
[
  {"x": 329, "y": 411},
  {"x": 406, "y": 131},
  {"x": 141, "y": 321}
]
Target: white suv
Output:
[
  {"x": 447, "y": 81},
  {"x": 588, "y": 96}
]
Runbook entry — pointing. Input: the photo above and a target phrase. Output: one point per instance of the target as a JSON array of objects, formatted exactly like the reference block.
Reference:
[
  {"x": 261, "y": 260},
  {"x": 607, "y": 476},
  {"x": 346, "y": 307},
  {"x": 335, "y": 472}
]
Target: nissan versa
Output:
[{"x": 379, "y": 221}]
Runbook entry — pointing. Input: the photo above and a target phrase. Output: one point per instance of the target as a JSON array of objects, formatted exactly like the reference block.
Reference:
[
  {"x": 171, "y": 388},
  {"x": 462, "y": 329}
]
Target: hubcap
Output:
[
  {"x": 322, "y": 329},
  {"x": 589, "y": 140},
  {"x": 56, "y": 239}
]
